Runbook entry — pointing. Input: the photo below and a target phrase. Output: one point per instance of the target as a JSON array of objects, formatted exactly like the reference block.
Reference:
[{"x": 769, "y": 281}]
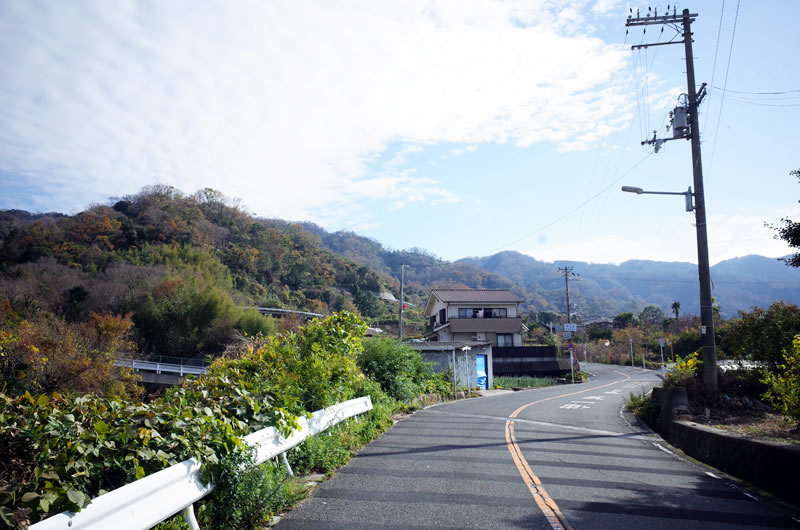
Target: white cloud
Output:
[{"x": 288, "y": 104}]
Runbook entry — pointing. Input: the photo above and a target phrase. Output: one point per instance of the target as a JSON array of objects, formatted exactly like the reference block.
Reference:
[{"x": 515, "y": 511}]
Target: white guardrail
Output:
[
  {"x": 158, "y": 367},
  {"x": 154, "y": 498}
]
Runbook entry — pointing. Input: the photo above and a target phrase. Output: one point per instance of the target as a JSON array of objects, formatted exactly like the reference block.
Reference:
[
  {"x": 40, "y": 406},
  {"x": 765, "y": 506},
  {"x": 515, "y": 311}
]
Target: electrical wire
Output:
[
  {"x": 716, "y": 51},
  {"x": 581, "y": 205},
  {"x": 725, "y": 85},
  {"x": 757, "y": 93}
]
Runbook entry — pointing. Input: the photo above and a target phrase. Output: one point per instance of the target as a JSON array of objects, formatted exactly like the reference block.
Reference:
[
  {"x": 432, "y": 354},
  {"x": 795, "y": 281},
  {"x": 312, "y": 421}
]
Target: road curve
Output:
[{"x": 557, "y": 457}]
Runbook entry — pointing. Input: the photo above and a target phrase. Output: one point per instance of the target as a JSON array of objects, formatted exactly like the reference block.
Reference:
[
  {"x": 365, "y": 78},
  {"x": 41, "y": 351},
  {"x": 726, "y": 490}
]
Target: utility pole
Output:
[
  {"x": 402, "y": 304},
  {"x": 683, "y": 24},
  {"x": 567, "y": 272}
]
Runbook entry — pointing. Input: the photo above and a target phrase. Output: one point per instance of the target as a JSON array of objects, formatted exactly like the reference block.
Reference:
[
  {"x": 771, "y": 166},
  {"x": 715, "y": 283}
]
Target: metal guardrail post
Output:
[
  {"x": 189, "y": 518},
  {"x": 286, "y": 463}
]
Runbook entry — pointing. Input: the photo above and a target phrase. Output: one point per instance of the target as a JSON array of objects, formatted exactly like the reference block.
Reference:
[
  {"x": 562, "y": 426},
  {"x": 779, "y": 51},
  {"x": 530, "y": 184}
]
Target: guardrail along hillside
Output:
[{"x": 156, "y": 497}]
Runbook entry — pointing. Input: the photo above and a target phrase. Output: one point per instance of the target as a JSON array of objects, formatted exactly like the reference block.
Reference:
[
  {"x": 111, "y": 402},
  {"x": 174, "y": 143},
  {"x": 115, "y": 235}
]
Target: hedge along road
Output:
[{"x": 556, "y": 457}]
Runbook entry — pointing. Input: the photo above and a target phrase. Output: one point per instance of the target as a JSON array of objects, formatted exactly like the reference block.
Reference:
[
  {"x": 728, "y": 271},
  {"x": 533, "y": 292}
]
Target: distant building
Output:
[
  {"x": 490, "y": 315},
  {"x": 486, "y": 324}
]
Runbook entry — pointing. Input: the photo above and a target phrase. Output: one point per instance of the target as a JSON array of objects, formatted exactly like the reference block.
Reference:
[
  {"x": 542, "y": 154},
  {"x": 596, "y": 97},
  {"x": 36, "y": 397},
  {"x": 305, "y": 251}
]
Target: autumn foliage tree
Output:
[{"x": 47, "y": 353}]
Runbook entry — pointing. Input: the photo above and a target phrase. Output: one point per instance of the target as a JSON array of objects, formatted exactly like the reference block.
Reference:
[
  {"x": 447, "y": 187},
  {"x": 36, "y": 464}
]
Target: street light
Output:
[
  {"x": 686, "y": 194},
  {"x": 704, "y": 274}
]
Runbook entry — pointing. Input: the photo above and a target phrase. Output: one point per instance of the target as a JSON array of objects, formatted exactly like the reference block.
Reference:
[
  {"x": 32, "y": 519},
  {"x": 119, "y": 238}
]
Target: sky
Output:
[{"x": 463, "y": 127}]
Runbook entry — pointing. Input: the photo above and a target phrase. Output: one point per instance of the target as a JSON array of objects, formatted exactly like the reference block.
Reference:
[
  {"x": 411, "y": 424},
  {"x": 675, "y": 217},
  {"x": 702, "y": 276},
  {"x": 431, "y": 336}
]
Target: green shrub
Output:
[
  {"x": 684, "y": 371},
  {"x": 245, "y": 495},
  {"x": 400, "y": 370},
  {"x": 61, "y": 451},
  {"x": 523, "y": 381},
  {"x": 784, "y": 382},
  {"x": 644, "y": 406},
  {"x": 322, "y": 453}
]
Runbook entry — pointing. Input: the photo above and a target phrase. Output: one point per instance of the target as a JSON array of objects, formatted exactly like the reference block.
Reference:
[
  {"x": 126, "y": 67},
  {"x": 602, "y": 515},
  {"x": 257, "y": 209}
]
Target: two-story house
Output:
[{"x": 490, "y": 315}]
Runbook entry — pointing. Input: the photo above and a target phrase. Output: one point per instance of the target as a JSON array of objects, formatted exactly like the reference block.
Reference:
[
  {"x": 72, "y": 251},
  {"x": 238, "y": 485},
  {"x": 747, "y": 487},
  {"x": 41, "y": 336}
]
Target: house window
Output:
[
  {"x": 497, "y": 312},
  {"x": 465, "y": 312},
  {"x": 442, "y": 316},
  {"x": 505, "y": 339}
]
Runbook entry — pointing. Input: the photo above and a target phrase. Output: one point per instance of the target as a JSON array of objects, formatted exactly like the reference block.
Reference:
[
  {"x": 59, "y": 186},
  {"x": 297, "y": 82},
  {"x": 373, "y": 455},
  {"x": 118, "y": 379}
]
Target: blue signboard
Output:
[{"x": 480, "y": 361}]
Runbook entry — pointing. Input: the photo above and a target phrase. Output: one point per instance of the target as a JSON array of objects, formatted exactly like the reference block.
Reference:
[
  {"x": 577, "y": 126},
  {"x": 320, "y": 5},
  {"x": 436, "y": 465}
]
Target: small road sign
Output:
[
  {"x": 570, "y": 327},
  {"x": 567, "y": 334}
]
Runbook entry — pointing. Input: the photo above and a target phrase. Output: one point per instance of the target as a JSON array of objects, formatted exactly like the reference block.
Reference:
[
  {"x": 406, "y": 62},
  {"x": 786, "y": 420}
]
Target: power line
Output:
[
  {"x": 725, "y": 85},
  {"x": 581, "y": 205},
  {"x": 716, "y": 50},
  {"x": 756, "y": 93}
]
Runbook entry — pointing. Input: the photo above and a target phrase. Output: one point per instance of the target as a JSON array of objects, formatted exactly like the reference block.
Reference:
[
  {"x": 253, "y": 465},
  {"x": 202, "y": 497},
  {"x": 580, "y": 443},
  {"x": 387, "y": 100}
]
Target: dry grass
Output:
[{"x": 758, "y": 425}]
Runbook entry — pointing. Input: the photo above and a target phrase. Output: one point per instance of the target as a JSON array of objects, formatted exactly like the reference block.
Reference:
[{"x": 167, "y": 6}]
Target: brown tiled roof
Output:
[
  {"x": 430, "y": 345},
  {"x": 477, "y": 295}
]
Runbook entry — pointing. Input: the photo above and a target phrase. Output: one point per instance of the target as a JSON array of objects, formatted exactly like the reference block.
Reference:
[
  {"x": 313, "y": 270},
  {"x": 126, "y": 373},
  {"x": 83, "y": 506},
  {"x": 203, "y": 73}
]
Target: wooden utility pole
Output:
[
  {"x": 567, "y": 271},
  {"x": 683, "y": 24},
  {"x": 402, "y": 284}
]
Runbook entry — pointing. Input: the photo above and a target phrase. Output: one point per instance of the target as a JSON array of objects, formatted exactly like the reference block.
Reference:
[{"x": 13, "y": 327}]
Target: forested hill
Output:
[
  {"x": 425, "y": 271},
  {"x": 182, "y": 267}
]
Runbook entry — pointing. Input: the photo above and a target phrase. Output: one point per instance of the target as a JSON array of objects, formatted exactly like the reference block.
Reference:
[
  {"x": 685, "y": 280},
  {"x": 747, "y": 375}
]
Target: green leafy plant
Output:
[
  {"x": 522, "y": 382},
  {"x": 643, "y": 406},
  {"x": 784, "y": 382},
  {"x": 245, "y": 495},
  {"x": 400, "y": 370},
  {"x": 685, "y": 370}
]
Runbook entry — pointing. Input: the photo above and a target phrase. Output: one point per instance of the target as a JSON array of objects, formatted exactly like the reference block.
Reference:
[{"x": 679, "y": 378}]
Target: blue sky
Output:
[{"x": 462, "y": 127}]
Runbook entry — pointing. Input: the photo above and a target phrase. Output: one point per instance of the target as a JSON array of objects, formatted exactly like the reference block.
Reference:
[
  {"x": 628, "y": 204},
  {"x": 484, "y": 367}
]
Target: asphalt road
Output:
[{"x": 556, "y": 457}]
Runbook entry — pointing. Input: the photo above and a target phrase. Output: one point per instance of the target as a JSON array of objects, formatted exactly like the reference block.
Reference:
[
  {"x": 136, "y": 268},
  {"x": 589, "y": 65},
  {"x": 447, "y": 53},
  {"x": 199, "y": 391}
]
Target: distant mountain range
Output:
[
  {"x": 738, "y": 284},
  {"x": 599, "y": 290}
]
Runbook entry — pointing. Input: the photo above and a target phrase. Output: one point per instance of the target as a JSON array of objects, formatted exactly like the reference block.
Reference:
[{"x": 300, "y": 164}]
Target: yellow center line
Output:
[{"x": 543, "y": 500}]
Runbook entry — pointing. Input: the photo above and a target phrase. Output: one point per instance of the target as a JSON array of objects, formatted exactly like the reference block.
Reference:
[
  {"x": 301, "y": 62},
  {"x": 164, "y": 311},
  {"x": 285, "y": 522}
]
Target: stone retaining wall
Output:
[{"x": 771, "y": 466}]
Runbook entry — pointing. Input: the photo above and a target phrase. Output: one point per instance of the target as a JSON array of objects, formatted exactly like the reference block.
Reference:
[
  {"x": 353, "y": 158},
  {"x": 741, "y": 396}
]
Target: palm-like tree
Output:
[{"x": 676, "y": 308}]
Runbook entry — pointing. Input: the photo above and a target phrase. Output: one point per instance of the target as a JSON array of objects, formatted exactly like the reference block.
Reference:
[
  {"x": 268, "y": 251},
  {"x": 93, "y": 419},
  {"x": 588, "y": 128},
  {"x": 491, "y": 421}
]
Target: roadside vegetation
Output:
[
  {"x": 62, "y": 448},
  {"x": 759, "y": 389},
  {"x": 523, "y": 382}
]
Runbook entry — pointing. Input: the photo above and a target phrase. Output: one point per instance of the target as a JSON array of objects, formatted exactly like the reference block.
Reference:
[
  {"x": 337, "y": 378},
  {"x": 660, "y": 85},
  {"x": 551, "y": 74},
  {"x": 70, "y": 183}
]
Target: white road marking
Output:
[
  {"x": 712, "y": 475},
  {"x": 663, "y": 448},
  {"x": 751, "y": 496}
]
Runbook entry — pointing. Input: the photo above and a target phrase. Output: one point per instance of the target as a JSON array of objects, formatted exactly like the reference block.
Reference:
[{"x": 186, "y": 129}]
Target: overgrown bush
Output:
[
  {"x": 522, "y": 382},
  {"x": 49, "y": 354},
  {"x": 322, "y": 453},
  {"x": 784, "y": 382},
  {"x": 644, "y": 406},
  {"x": 246, "y": 495},
  {"x": 763, "y": 334},
  {"x": 684, "y": 371},
  {"x": 58, "y": 452},
  {"x": 400, "y": 370}
]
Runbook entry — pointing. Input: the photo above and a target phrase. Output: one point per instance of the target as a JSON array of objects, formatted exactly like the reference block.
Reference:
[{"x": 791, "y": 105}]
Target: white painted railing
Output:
[
  {"x": 159, "y": 367},
  {"x": 156, "y": 497}
]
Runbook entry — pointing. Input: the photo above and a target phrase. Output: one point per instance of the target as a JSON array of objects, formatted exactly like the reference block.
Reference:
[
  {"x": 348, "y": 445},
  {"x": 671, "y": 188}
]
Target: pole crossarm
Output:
[
  {"x": 664, "y": 19},
  {"x": 638, "y": 46}
]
